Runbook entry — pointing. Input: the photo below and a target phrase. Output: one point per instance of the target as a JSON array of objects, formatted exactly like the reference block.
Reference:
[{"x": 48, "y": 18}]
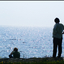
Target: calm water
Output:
[{"x": 31, "y": 42}]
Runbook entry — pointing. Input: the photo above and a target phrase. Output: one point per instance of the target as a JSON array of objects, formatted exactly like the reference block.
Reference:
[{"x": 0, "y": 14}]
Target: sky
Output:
[{"x": 31, "y": 13}]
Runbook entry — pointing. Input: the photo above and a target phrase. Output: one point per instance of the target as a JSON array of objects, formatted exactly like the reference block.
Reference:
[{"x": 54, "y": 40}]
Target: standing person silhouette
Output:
[{"x": 57, "y": 37}]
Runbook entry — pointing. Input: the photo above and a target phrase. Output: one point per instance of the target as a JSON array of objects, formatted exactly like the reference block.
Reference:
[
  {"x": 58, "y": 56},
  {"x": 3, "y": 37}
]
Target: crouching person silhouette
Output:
[{"x": 14, "y": 53}]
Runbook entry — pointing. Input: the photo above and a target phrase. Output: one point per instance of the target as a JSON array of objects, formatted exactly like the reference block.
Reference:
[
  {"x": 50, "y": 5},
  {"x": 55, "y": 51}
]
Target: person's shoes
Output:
[
  {"x": 58, "y": 57},
  {"x": 54, "y": 57}
]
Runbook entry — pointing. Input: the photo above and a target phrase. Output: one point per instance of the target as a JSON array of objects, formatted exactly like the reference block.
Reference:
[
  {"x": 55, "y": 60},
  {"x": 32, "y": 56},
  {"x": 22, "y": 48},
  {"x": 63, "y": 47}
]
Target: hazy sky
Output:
[{"x": 31, "y": 13}]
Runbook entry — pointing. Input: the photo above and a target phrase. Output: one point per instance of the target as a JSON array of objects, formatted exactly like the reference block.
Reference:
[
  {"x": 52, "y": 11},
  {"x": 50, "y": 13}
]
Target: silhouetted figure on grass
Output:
[
  {"x": 57, "y": 37},
  {"x": 14, "y": 54}
]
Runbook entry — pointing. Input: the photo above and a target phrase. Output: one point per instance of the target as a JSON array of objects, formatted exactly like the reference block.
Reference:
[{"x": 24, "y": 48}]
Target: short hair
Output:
[
  {"x": 15, "y": 49},
  {"x": 57, "y": 20}
]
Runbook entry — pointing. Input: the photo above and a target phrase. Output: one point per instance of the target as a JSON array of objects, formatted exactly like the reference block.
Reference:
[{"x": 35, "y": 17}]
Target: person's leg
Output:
[
  {"x": 60, "y": 48},
  {"x": 10, "y": 56},
  {"x": 54, "y": 47}
]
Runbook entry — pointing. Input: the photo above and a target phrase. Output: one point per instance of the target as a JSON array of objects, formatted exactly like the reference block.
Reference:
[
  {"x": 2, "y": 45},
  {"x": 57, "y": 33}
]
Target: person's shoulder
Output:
[
  {"x": 19, "y": 52},
  {"x": 13, "y": 52},
  {"x": 61, "y": 24}
]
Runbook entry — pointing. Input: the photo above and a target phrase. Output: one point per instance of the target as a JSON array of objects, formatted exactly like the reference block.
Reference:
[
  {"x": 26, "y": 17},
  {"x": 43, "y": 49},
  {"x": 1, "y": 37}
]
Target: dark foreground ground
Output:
[{"x": 30, "y": 59}]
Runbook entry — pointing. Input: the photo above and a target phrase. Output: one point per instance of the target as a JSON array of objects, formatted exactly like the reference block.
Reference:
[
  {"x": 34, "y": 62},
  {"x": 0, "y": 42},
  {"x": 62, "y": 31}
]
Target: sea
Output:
[{"x": 30, "y": 41}]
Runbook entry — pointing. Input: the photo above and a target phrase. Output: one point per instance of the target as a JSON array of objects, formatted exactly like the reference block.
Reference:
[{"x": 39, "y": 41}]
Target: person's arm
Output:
[
  {"x": 63, "y": 30},
  {"x": 10, "y": 56},
  {"x": 11, "y": 53}
]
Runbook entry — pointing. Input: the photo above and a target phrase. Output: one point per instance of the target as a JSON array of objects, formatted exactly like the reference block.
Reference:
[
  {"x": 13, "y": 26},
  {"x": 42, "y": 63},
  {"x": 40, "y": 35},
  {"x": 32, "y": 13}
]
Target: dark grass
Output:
[{"x": 48, "y": 60}]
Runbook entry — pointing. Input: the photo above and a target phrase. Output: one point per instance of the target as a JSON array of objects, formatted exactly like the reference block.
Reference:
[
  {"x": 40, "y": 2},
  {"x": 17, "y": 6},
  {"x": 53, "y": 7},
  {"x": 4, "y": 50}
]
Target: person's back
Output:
[
  {"x": 16, "y": 54},
  {"x": 57, "y": 31}
]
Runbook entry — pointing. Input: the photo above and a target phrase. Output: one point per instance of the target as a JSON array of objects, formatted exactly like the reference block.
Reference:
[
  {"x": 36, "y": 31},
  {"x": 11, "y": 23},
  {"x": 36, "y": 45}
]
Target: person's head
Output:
[
  {"x": 56, "y": 20},
  {"x": 16, "y": 49}
]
